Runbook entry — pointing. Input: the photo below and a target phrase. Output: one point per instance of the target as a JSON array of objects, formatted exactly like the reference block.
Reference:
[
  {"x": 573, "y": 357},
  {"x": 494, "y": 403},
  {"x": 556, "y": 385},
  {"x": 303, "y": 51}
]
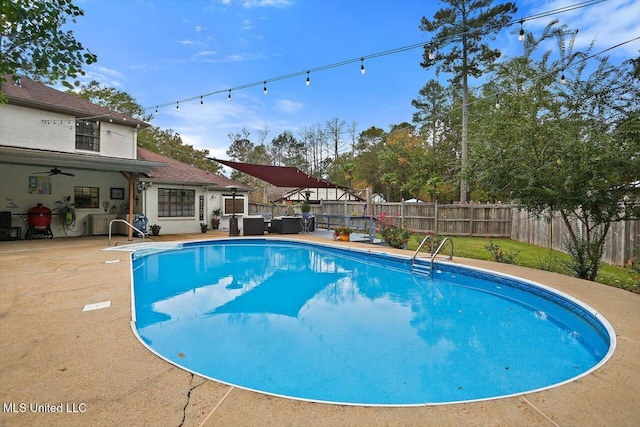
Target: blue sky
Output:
[{"x": 162, "y": 51}]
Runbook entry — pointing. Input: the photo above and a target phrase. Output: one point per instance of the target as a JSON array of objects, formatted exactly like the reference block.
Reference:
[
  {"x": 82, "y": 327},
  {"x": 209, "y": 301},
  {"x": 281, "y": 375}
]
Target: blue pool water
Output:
[{"x": 327, "y": 324}]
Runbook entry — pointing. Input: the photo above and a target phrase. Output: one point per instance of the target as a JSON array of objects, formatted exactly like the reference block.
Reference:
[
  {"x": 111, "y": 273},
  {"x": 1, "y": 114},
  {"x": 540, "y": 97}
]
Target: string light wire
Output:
[{"x": 438, "y": 42}]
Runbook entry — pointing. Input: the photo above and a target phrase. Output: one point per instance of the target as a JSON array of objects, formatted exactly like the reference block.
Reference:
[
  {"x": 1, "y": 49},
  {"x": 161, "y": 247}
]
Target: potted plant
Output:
[
  {"x": 203, "y": 227},
  {"x": 342, "y": 233},
  {"x": 305, "y": 208},
  {"x": 215, "y": 220},
  {"x": 155, "y": 229}
]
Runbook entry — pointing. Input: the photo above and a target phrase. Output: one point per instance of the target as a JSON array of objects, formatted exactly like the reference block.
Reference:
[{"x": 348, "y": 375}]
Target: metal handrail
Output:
[
  {"x": 434, "y": 253},
  {"x": 433, "y": 256},
  {"x": 130, "y": 226},
  {"x": 427, "y": 237}
]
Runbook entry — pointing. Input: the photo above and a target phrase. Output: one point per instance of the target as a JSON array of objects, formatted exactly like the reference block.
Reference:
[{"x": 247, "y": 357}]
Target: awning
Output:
[
  {"x": 32, "y": 156},
  {"x": 280, "y": 176}
]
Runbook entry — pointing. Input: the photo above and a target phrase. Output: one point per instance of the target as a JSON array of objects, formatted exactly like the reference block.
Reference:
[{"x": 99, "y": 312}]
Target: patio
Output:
[{"x": 91, "y": 366}]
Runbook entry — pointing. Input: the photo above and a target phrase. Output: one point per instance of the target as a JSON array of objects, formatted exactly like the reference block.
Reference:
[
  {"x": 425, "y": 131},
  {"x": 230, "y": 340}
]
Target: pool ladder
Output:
[{"x": 434, "y": 253}]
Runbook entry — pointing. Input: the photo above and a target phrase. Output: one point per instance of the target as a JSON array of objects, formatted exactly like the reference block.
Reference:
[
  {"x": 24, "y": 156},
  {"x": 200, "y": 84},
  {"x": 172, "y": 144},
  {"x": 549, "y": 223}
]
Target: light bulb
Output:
[
  {"x": 497, "y": 102},
  {"x": 229, "y": 96},
  {"x": 432, "y": 54},
  {"x": 264, "y": 89},
  {"x": 521, "y": 35},
  {"x": 362, "y": 70},
  {"x": 201, "y": 102},
  {"x": 177, "y": 105},
  {"x": 563, "y": 79},
  {"x": 308, "y": 82},
  {"x": 156, "y": 110}
]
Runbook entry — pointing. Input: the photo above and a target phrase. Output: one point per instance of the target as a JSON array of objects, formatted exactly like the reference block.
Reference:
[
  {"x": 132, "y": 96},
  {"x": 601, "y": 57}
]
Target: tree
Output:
[
  {"x": 286, "y": 150},
  {"x": 240, "y": 146},
  {"x": 570, "y": 148},
  {"x": 33, "y": 43},
  {"x": 461, "y": 28},
  {"x": 112, "y": 99},
  {"x": 367, "y": 162},
  {"x": 168, "y": 143},
  {"x": 334, "y": 129}
]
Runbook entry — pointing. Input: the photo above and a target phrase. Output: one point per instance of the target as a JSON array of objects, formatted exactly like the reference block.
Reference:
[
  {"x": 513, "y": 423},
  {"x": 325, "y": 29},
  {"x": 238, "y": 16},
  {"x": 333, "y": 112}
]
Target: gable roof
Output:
[
  {"x": 179, "y": 172},
  {"x": 26, "y": 92}
]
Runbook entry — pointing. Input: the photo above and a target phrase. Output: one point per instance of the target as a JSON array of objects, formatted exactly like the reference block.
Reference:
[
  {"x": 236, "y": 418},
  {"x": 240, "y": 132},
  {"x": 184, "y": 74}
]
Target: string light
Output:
[
  {"x": 201, "y": 102},
  {"x": 432, "y": 53},
  {"x": 497, "y": 102},
  {"x": 177, "y": 105},
  {"x": 521, "y": 36},
  {"x": 264, "y": 89},
  {"x": 563, "y": 79},
  {"x": 156, "y": 110}
]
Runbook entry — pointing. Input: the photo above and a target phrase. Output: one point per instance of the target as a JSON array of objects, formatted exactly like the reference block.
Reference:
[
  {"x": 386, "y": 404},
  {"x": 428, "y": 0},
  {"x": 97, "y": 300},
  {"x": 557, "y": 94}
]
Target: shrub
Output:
[
  {"x": 500, "y": 255},
  {"x": 392, "y": 234}
]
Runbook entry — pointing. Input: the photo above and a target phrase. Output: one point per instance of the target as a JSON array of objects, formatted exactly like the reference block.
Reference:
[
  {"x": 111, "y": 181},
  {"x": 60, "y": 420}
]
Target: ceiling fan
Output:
[{"x": 55, "y": 171}]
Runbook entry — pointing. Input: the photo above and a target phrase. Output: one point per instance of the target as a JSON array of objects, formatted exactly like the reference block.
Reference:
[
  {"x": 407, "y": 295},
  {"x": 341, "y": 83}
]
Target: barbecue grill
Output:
[{"x": 39, "y": 222}]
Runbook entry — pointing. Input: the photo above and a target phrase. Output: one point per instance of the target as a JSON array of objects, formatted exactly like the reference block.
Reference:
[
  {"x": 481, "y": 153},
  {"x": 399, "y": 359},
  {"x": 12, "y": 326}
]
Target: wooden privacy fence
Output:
[
  {"x": 476, "y": 220},
  {"x": 452, "y": 220},
  {"x": 621, "y": 244}
]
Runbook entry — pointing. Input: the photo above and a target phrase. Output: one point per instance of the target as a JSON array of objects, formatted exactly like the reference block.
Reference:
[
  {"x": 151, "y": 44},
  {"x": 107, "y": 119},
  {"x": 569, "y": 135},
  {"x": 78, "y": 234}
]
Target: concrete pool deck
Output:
[{"x": 89, "y": 365}]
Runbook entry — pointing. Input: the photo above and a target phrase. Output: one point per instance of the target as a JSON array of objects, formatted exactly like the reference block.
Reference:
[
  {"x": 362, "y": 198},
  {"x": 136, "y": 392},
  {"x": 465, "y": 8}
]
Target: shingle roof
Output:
[
  {"x": 29, "y": 93},
  {"x": 178, "y": 172}
]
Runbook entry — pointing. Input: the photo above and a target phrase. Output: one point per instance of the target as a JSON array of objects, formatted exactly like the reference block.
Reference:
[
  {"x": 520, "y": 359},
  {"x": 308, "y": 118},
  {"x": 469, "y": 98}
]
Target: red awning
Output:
[{"x": 280, "y": 176}]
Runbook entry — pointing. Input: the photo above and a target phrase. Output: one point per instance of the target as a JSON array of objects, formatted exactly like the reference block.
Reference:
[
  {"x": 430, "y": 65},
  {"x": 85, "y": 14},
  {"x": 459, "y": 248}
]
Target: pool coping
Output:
[{"x": 54, "y": 353}]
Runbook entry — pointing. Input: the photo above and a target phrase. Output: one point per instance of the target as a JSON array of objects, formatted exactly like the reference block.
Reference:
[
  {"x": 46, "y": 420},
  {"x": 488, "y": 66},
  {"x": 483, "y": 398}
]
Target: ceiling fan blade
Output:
[{"x": 66, "y": 173}]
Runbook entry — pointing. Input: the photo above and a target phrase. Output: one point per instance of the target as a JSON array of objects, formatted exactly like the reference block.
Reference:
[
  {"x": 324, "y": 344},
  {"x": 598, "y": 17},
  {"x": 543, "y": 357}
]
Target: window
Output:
[
  {"x": 174, "y": 202},
  {"x": 228, "y": 205},
  {"x": 86, "y": 197},
  {"x": 88, "y": 135}
]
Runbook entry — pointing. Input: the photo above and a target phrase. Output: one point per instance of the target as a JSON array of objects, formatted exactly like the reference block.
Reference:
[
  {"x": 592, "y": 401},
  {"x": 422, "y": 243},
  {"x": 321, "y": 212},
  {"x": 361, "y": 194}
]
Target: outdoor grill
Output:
[{"x": 39, "y": 222}]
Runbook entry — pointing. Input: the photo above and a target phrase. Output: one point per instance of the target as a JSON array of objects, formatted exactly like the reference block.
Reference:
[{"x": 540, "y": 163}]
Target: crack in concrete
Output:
[{"x": 186, "y": 405}]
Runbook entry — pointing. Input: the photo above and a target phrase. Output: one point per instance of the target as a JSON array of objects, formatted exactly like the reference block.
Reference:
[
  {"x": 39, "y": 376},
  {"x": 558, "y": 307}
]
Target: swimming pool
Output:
[{"x": 322, "y": 323}]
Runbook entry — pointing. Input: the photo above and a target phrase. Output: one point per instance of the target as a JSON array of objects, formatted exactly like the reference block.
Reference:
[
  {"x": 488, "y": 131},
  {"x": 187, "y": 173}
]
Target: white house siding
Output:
[
  {"x": 24, "y": 127},
  {"x": 43, "y": 130},
  {"x": 178, "y": 225}
]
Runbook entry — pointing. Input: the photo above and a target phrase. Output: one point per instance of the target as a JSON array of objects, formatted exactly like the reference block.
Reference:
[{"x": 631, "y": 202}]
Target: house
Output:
[
  {"x": 210, "y": 191},
  {"x": 58, "y": 150}
]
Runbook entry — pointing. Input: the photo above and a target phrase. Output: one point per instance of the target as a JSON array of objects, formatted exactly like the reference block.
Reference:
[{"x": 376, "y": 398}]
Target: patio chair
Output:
[{"x": 253, "y": 225}]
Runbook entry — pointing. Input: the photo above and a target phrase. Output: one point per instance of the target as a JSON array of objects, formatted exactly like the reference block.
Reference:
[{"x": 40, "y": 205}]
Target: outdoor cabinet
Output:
[{"x": 99, "y": 224}]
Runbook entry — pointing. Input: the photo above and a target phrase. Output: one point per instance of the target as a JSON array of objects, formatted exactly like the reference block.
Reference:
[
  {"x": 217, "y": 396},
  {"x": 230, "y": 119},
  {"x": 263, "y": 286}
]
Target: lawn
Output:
[{"x": 532, "y": 256}]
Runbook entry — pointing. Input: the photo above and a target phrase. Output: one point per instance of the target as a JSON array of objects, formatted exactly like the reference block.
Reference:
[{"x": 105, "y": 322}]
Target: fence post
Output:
[{"x": 435, "y": 220}]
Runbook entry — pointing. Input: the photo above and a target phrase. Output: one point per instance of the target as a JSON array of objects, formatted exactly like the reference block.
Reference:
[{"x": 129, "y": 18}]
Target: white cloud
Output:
[
  {"x": 198, "y": 28},
  {"x": 288, "y": 106},
  {"x": 106, "y": 76},
  {"x": 246, "y": 25},
  {"x": 185, "y": 42},
  {"x": 610, "y": 23},
  {"x": 207, "y": 53},
  {"x": 266, "y": 3}
]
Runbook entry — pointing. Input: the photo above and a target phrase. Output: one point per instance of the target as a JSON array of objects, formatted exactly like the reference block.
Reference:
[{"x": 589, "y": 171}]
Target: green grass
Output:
[{"x": 537, "y": 257}]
